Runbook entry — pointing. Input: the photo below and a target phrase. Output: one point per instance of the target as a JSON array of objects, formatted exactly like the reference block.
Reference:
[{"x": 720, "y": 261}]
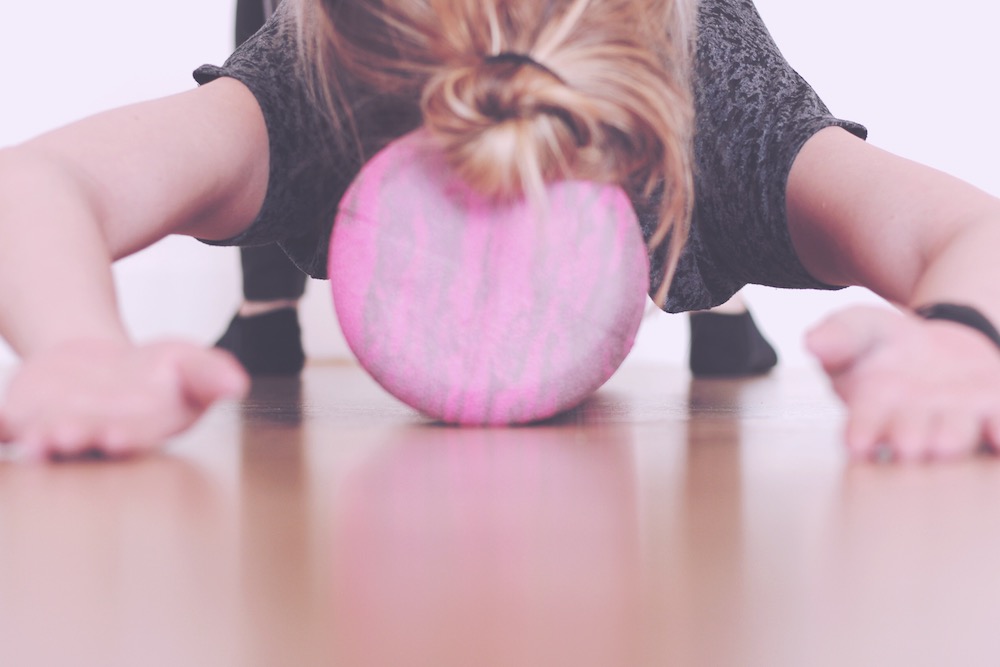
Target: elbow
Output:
[{"x": 37, "y": 185}]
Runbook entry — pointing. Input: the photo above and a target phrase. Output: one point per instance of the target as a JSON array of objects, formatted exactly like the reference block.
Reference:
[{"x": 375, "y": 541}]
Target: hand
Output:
[
  {"x": 113, "y": 398},
  {"x": 919, "y": 389}
]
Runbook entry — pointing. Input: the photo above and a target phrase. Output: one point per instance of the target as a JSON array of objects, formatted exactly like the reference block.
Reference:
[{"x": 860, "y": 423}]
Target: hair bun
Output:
[
  {"x": 507, "y": 124},
  {"x": 608, "y": 100},
  {"x": 518, "y": 60}
]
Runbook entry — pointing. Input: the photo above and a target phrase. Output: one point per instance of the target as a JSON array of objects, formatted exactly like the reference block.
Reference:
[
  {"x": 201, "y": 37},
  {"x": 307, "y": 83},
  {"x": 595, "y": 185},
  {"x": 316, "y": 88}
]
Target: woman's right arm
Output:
[{"x": 74, "y": 200}]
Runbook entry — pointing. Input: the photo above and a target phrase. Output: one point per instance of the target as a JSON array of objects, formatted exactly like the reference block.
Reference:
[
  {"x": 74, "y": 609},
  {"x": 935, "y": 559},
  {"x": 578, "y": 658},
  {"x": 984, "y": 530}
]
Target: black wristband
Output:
[{"x": 967, "y": 315}]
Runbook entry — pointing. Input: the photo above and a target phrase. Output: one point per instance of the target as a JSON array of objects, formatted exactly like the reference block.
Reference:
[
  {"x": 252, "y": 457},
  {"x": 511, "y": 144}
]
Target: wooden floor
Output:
[{"x": 667, "y": 522}]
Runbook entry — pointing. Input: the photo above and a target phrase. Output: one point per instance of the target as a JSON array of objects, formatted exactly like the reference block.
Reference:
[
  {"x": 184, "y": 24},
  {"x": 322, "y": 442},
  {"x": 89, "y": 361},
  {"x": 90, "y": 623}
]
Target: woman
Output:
[
  {"x": 265, "y": 336},
  {"x": 777, "y": 191}
]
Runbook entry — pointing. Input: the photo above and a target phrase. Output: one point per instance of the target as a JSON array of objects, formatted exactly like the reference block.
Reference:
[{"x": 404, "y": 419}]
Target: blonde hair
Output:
[{"x": 609, "y": 100}]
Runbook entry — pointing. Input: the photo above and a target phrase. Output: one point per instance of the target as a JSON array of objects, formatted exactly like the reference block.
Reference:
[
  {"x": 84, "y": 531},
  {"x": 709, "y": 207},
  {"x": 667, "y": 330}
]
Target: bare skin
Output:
[
  {"x": 197, "y": 164},
  {"x": 194, "y": 163},
  {"x": 917, "y": 389}
]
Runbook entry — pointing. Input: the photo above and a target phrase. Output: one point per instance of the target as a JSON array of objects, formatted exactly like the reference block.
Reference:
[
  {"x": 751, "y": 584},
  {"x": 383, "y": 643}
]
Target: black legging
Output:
[
  {"x": 250, "y": 16},
  {"x": 268, "y": 274}
]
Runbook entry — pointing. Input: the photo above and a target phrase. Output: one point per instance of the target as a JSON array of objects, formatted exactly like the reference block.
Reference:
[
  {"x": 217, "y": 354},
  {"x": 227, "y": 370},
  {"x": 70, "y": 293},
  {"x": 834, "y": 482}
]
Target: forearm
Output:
[
  {"x": 83, "y": 386},
  {"x": 73, "y": 200},
  {"x": 55, "y": 276},
  {"x": 78, "y": 197},
  {"x": 861, "y": 216},
  {"x": 965, "y": 269},
  {"x": 913, "y": 235}
]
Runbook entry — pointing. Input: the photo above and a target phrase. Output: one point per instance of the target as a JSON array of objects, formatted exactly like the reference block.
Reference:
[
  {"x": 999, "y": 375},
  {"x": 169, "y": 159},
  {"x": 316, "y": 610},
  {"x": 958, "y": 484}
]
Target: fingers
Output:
[
  {"x": 211, "y": 376},
  {"x": 68, "y": 441},
  {"x": 70, "y": 438},
  {"x": 863, "y": 432},
  {"x": 5, "y": 433},
  {"x": 64, "y": 426},
  {"x": 914, "y": 391},
  {"x": 129, "y": 402},
  {"x": 843, "y": 338},
  {"x": 954, "y": 437},
  {"x": 914, "y": 434},
  {"x": 991, "y": 435}
]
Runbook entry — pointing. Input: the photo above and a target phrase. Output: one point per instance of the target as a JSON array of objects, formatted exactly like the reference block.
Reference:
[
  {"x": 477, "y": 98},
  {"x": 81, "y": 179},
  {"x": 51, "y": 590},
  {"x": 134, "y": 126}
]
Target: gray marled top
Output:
[{"x": 754, "y": 113}]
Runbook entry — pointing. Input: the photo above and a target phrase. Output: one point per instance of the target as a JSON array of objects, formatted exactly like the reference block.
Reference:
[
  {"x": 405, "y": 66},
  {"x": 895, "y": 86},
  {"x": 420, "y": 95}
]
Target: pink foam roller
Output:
[{"x": 478, "y": 313}]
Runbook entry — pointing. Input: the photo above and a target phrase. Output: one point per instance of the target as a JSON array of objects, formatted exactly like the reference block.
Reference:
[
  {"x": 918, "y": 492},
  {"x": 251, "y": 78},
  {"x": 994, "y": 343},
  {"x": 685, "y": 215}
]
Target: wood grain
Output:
[{"x": 666, "y": 522}]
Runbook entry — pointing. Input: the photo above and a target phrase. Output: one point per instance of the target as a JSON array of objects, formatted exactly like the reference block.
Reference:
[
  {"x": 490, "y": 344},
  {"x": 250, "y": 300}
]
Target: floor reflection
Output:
[
  {"x": 116, "y": 563},
  {"x": 701, "y": 549},
  {"x": 488, "y": 547},
  {"x": 662, "y": 523},
  {"x": 909, "y": 562},
  {"x": 277, "y": 591}
]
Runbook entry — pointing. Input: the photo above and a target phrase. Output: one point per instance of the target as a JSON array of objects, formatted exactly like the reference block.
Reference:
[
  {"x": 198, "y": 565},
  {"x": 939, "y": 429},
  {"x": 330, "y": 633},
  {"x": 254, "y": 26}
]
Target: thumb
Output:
[
  {"x": 211, "y": 375},
  {"x": 844, "y": 337},
  {"x": 6, "y": 434}
]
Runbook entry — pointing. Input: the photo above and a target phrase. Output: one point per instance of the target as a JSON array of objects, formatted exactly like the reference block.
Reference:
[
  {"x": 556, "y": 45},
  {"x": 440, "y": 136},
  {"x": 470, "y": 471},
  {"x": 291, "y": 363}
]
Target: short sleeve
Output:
[
  {"x": 311, "y": 161},
  {"x": 753, "y": 115}
]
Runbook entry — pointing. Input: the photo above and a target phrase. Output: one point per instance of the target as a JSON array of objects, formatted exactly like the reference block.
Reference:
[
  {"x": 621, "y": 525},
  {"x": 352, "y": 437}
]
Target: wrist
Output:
[{"x": 960, "y": 314}]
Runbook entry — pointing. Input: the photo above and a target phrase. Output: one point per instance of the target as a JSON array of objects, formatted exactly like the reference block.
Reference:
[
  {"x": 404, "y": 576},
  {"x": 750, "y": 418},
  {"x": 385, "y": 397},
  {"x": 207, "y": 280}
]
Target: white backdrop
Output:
[{"x": 909, "y": 72}]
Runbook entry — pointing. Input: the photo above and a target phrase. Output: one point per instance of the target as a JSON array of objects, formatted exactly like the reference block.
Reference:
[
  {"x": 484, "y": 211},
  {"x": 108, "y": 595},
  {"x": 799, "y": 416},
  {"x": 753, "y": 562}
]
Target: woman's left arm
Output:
[{"x": 924, "y": 389}]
